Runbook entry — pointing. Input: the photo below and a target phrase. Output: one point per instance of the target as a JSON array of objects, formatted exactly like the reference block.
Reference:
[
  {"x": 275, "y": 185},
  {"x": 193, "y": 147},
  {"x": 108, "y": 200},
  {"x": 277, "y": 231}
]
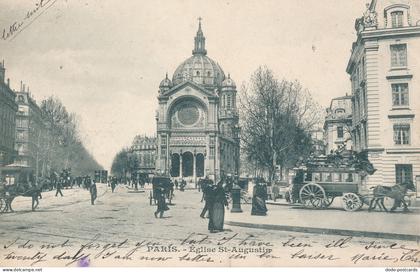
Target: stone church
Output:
[{"x": 197, "y": 119}]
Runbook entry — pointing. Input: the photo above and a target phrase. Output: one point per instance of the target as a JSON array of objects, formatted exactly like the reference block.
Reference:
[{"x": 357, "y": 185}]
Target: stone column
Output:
[
  {"x": 180, "y": 165},
  {"x": 194, "y": 169},
  {"x": 194, "y": 165}
]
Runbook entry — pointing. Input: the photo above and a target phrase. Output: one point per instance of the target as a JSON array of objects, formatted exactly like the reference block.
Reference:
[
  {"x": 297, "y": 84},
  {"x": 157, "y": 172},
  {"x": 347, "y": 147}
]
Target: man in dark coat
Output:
[
  {"x": 59, "y": 186},
  {"x": 207, "y": 190},
  {"x": 113, "y": 184},
  {"x": 161, "y": 204},
  {"x": 297, "y": 185},
  {"x": 182, "y": 185},
  {"x": 93, "y": 192}
]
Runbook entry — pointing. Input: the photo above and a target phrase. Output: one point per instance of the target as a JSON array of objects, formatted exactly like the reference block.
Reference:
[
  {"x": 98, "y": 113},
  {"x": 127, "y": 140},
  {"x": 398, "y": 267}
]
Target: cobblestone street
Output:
[{"x": 123, "y": 222}]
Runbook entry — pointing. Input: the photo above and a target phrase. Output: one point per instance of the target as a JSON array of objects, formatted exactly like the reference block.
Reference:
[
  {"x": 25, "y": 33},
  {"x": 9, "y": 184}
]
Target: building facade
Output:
[
  {"x": 337, "y": 124},
  {"x": 318, "y": 141},
  {"x": 30, "y": 130},
  {"x": 145, "y": 149},
  {"x": 8, "y": 108},
  {"x": 197, "y": 119},
  {"x": 385, "y": 75}
]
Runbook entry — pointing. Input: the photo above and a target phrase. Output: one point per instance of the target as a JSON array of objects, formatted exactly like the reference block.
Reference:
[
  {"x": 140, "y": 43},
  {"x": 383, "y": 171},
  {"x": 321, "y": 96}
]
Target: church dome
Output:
[
  {"x": 199, "y": 68},
  {"x": 229, "y": 83}
]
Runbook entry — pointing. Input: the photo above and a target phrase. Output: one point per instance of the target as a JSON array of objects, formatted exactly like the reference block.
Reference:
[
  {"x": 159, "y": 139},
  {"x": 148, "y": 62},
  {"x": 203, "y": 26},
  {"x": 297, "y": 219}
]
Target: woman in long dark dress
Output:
[
  {"x": 258, "y": 199},
  {"x": 217, "y": 202}
]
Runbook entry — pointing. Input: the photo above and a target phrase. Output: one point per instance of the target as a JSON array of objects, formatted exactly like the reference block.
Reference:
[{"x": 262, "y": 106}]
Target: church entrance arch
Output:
[
  {"x": 175, "y": 165},
  {"x": 199, "y": 165},
  {"x": 187, "y": 164}
]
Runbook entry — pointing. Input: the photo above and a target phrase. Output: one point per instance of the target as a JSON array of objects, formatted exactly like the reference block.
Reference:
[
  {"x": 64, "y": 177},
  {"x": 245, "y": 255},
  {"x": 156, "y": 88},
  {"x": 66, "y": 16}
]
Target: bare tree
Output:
[
  {"x": 276, "y": 119},
  {"x": 62, "y": 146}
]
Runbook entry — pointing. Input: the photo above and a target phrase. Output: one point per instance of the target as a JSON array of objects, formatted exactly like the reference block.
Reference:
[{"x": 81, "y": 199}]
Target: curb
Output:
[
  {"x": 412, "y": 207},
  {"x": 279, "y": 204},
  {"x": 342, "y": 232}
]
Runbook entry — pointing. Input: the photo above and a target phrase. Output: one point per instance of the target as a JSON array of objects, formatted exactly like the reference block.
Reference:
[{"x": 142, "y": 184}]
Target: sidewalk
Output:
[
  {"x": 70, "y": 196},
  {"x": 333, "y": 221}
]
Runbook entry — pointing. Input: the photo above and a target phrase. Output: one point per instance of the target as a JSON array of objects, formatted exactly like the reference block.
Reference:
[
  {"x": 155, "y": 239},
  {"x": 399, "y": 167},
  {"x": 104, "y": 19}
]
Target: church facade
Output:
[{"x": 197, "y": 119}]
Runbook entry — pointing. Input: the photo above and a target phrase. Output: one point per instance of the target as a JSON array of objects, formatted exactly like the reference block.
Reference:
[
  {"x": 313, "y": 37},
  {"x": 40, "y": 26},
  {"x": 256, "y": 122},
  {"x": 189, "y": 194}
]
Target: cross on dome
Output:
[{"x": 199, "y": 41}]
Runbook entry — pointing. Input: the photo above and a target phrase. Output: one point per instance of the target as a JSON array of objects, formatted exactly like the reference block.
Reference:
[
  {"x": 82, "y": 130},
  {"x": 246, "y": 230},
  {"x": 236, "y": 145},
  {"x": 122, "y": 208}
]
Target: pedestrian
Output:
[
  {"x": 203, "y": 183},
  {"x": 182, "y": 185},
  {"x": 207, "y": 191},
  {"x": 113, "y": 184},
  {"x": 170, "y": 191},
  {"x": 176, "y": 184},
  {"x": 58, "y": 186},
  {"x": 218, "y": 201},
  {"x": 93, "y": 192},
  {"x": 161, "y": 204},
  {"x": 297, "y": 185},
  {"x": 259, "y": 197}
]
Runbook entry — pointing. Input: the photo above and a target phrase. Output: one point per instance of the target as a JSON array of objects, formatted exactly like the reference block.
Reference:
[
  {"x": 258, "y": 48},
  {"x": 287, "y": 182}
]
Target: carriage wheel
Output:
[
  {"x": 3, "y": 205},
  {"x": 328, "y": 201},
  {"x": 312, "y": 195},
  {"x": 352, "y": 202}
]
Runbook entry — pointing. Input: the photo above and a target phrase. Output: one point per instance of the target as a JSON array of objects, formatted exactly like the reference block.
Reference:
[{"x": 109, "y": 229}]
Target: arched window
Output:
[
  {"x": 397, "y": 15},
  {"x": 397, "y": 18}
]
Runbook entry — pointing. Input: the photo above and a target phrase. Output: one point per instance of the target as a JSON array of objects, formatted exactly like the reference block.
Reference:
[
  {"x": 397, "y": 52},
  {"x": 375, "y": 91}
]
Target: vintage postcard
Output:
[{"x": 227, "y": 133}]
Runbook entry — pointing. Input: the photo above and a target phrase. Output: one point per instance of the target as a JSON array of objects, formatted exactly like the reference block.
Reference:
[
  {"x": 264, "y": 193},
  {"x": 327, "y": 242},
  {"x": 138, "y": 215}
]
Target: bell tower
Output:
[
  {"x": 228, "y": 128},
  {"x": 228, "y": 111}
]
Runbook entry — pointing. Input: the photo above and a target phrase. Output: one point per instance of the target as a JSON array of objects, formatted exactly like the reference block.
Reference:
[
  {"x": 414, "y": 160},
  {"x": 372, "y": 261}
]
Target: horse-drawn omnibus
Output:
[{"x": 321, "y": 179}]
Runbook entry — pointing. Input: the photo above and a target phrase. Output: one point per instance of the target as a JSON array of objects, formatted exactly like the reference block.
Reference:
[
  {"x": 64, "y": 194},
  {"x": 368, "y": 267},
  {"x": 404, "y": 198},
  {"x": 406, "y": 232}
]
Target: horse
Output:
[
  {"x": 14, "y": 191},
  {"x": 396, "y": 192}
]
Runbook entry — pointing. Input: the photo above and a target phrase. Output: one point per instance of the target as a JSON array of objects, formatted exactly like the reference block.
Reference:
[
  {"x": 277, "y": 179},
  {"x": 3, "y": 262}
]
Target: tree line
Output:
[
  {"x": 61, "y": 146},
  {"x": 125, "y": 163}
]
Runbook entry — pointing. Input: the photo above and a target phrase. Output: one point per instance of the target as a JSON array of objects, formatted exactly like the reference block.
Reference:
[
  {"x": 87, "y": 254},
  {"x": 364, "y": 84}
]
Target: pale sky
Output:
[{"x": 105, "y": 59}]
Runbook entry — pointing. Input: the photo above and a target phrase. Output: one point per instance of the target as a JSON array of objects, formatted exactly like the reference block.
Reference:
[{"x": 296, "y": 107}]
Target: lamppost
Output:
[
  {"x": 237, "y": 137},
  {"x": 170, "y": 164}
]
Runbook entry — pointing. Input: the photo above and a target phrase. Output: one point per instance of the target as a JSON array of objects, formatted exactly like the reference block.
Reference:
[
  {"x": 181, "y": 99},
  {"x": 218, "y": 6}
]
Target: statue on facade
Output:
[{"x": 370, "y": 17}]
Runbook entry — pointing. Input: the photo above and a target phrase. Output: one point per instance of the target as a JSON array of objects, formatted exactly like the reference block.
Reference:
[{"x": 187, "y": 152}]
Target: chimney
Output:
[
  {"x": 8, "y": 82},
  {"x": 2, "y": 71}
]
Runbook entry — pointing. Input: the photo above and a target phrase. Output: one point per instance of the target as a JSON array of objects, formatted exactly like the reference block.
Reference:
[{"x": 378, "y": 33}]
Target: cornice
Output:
[{"x": 377, "y": 34}]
